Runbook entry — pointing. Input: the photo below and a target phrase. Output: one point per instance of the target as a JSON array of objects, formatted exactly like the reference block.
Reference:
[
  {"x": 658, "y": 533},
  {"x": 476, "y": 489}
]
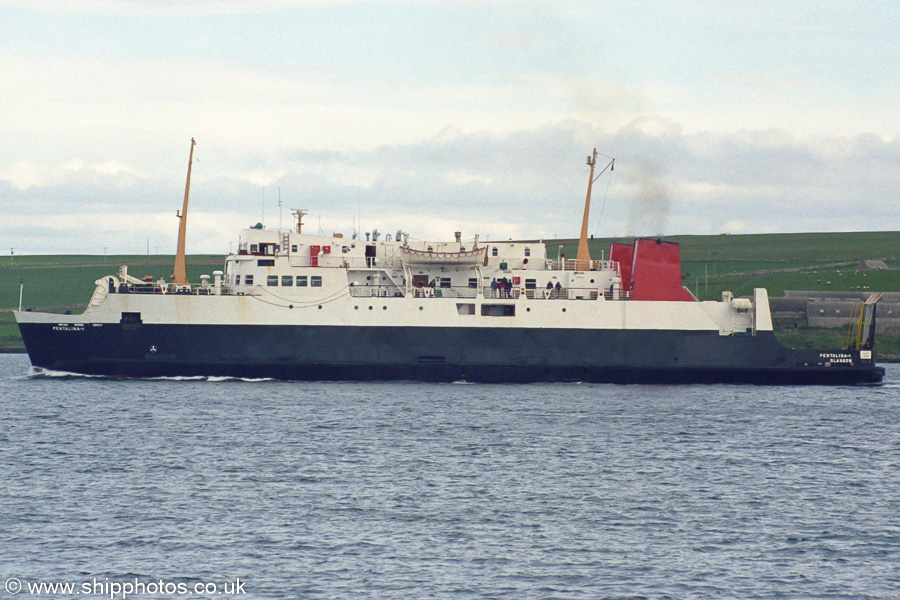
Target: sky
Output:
[{"x": 433, "y": 116}]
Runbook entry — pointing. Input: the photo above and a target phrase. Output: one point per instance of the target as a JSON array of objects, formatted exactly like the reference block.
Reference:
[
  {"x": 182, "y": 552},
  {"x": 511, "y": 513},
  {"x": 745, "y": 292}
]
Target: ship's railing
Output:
[
  {"x": 445, "y": 292},
  {"x": 490, "y": 292},
  {"x": 376, "y": 291},
  {"x": 382, "y": 291},
  {"x": 344, "y": 261},
  {"x": 170, "y": 289},
  {"x": 350, "y": 262},
  {"x": 573, "y": 264},
  {"x": 561, "y": 293}
]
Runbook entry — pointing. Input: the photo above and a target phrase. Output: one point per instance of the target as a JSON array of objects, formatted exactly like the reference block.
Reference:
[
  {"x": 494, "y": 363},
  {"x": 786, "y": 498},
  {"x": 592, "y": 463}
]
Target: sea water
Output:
[{"x": 265, "y": 489}]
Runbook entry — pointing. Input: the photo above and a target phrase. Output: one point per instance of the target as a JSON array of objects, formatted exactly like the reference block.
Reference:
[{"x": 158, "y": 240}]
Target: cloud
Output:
[
  {"x": 163, "y": 7},
  {"x": 179, "y": 8},
  {"x": 22, "y": 174},
  {"x": 529, "y": 183},
  {"x": 137, "y": 111},
  {"x": 451, "y": 116},
  {"x": 514, "y": 41}
]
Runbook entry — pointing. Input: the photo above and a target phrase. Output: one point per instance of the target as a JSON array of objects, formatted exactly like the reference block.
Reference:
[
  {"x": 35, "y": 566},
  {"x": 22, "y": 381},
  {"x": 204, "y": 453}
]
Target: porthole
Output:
[
  {"x": 564, "y": 310},
  {"x": 421, "y": 308},
  {"x": 384, "y": 308},
  {"x": 320, "y": 307},
  {"x": 528, "y": 309},
  {"x": 370, "y": 308},
  {"x": 290, "y": 306},
  {"x": 355, "y": 308}
]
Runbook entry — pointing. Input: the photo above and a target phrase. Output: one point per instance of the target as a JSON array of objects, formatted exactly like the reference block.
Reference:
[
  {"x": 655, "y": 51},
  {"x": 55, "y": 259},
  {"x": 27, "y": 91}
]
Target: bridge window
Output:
[
  {"x": 237, "y": 280},
  {"x": 265, "y": 262},
  {"x": 315, "y": 281},
  {"x": 494, "y": 251},
  {"x": 248, "y": 279},
  {"x": 287, "y": 280},
  {"x": 527, "y": 251},
  {"x": 301, "y": 280},
  {"x": 272, "y": 280}
]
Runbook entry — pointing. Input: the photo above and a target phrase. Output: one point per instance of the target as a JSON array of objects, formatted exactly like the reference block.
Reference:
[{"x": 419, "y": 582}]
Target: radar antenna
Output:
[{"x": 299, "y": 213}]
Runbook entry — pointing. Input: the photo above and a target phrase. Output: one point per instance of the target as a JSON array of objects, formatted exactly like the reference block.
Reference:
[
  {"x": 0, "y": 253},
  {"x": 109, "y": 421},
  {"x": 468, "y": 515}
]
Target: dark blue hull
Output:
[{"x": 438, "y": 354}]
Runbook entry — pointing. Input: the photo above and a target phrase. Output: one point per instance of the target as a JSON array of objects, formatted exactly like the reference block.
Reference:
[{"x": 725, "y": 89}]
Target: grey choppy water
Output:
[{"x": 406, "y": 490}]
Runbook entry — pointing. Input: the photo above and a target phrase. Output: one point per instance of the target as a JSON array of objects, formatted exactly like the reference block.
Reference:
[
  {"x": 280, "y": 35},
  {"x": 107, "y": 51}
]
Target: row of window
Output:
[
  {"x": 285, "y": 280},
  {"x": 270, "y": 249},
  {"x": 488, "y": 310},
  {"x": 445, "y": 282},
  {"x": 288, "y": 280},
  {"x": 276, "y": 248},
  {"x": 316, "y": 281}
]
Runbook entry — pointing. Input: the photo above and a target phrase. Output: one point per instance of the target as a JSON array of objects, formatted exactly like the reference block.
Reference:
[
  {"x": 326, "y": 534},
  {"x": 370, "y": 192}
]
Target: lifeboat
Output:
[{"x": 412, "y": 256}]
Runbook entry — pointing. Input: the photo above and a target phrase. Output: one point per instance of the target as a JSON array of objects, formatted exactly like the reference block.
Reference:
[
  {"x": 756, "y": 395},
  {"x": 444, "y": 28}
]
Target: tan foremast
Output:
[
  {"x": 583, "y": 260},
  {"x": 180, "y": 276}
]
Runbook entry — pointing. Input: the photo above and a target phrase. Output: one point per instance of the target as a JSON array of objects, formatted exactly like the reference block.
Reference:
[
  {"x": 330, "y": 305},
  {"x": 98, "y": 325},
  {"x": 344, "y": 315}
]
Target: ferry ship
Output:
[{"x": 298, "y": 306}]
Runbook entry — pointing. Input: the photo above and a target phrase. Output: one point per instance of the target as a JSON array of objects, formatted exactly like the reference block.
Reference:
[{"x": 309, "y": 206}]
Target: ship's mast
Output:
[
  {"x": 583, "y": 260},
  {"x": 180, "y": 276},
  {"x": 299, "y": 213}
]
